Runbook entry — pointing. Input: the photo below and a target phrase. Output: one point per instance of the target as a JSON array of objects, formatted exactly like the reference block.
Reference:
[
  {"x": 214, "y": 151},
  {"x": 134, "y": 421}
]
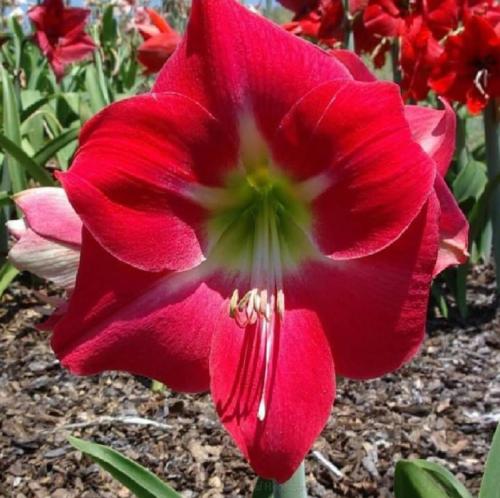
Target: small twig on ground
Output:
[
  {"x": 111, "y": 420},
  {"x": 326, "y": 463}
]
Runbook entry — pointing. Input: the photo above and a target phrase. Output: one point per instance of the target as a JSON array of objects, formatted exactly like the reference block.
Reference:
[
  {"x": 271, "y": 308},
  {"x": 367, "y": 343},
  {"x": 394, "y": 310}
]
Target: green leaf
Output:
[
  {"x": 440, "y": 299},
  {"x": 109, "y": 26},
  {"x": 461, "y": 290},
  {"x": 263, "y": 489},
  {"x": 32, "y": 108},
  {"x": 17, "y": 30},
  {"x": 490, "y": 485},
  {"x": 423, "y": 479},
  {"x": 7, "y": 274},
  {"x": 96, "y": 96},
  {"x": 4, "y": 198},
  {"x": 51, "y": 148},
  {"x": 11, "y": 126},
  {"x": 142, "y": 482},
  {"x": 478, "y": 217},
  {"x": 40, "y": 174},
  {"x": 470, "y": 182}
]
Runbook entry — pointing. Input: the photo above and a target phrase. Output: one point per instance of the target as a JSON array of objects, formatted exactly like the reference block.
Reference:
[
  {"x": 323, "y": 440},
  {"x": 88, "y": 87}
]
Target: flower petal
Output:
[
  {"x": 131, "y": 179},
  {"x": 43, "y": 257},
  {"x": 299, "y": 395},
  {"x": 151, "y": 324},
  {"x": 354, "y": 64},
  {"x": 353, "y": 137},
  {"x": 49, "y": 213},
  {"x": 373, "y": 309},
  {"x": 434, "y": 130},
  {"x": 232, "y": 70},
  {"x": 155, "y": 51},
  {"x": 453, "y": 230}
]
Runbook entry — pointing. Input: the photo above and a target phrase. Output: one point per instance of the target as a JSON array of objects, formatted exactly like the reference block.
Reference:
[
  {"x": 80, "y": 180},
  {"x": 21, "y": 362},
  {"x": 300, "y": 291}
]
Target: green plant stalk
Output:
[
  {"x": 461, "y": 153},
  {"x": 348, "y": 34},
  {"x": 269, "y": 7},
  {"x": 492, "y": 140},
  {"x": 396, "y": 70},
  {"x": 295, "y": 487}
]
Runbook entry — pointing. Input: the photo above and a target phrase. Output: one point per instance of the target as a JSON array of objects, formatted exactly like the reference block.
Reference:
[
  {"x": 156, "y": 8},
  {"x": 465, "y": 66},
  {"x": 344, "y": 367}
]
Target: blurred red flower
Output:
[
  {"x": 377, "y": 23},
  {"x": 323, "y": 22},
  {"x": 60, "y": 33},
  {"x": 299, "y": 6},
  {"x": 440, "y": 16},
  {"x": 160, "y": 42},
  {"x": 468, "y": 71},
  {"x": 419, "y": 54}
]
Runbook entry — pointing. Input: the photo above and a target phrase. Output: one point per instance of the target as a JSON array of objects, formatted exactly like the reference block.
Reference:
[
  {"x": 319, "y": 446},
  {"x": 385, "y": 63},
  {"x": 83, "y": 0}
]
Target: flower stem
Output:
[
  {"x": 269, "y": 7},
  {"x": 395, "y": 63},
  {"x": 492, "y": 139},
  {"x": 295, "y": 487},
  {"x": 461, "y": 153}
]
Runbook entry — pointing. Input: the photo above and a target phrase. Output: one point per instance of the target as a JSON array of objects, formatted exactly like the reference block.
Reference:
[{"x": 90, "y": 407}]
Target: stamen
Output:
[
  {"x": 267, "y": 332},
  {"x": 481, "y": 82},
  {"x": 233, "y": 304},
  {"x": 266, "y": 298}
]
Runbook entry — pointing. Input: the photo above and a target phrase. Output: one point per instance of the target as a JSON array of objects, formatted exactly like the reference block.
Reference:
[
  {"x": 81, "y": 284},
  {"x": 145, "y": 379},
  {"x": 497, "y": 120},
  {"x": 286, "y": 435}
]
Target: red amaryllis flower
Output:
[
  {"x": 259, "y": 222},
  {"x": 60, "y": 33},
  {"x": 488, "y": 9},
  {"x": 419, "y": 54},
  {"x": 469, "y": 69},
  {"x": 324, "y": 23},
  {"x": 377, "y": 22},
  {"x": 440, "y": 16},
  {"x": 385, "y": 17},
  {"x": 160, "y": 41}
]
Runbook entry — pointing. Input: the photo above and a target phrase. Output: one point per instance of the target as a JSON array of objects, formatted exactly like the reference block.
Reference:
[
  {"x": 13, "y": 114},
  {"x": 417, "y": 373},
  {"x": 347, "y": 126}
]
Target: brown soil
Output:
[{"x": 444, "y": 405}]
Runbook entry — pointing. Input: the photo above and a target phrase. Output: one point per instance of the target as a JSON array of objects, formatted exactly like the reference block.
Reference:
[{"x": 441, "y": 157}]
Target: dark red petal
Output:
[
  {"x": 434, "y": 130},
  {"x": 453, "y": 230},
  {"x": 155, "y": 51},
  {"x": 121, "y": 318},
  {"x": 354, "y": 64},
  {"x": 373, "y": 309},
  {"x": 376, "y": 177},
  {"x": 300, "y": 390},
  {"x": 130, "y": 181},
  {"x": 232, "y": 70}
]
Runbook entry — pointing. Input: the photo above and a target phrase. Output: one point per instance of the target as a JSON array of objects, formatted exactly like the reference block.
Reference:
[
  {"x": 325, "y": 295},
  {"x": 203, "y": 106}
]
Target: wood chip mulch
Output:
[{"x": 444, "y": 405}]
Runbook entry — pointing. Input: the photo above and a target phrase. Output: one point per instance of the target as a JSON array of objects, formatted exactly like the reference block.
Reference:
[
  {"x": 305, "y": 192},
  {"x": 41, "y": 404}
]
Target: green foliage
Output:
[
  {"x": 142, "y": 482},
  {"x": 41, "y": 118},
  {"x": 7, "y": 274},
  {"x": 490, "y": 485},
  {"x": 423, "y": 479}
]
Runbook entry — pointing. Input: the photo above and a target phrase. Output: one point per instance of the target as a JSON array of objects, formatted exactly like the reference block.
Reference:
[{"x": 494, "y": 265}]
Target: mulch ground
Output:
[{"x": 444, "y": 406}]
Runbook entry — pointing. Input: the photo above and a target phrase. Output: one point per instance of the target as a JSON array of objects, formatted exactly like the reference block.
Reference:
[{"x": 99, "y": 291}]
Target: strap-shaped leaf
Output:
[
  {"x": 32, "y": 108},
  {"x": 478, "y": 216},
  {"x": 423, "y": 479},
  {"x": 51, "y": 148},
  {"x": 142, "y": 482},
  {"x": 7, "y": 274},
  {"x": 470, "y": 181},
  {"x": 4, "y": 198},
  {"x": 490, "y": 485},
  {"x": 26, "y": 162},
  {"x": 11, "y": 126}
]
